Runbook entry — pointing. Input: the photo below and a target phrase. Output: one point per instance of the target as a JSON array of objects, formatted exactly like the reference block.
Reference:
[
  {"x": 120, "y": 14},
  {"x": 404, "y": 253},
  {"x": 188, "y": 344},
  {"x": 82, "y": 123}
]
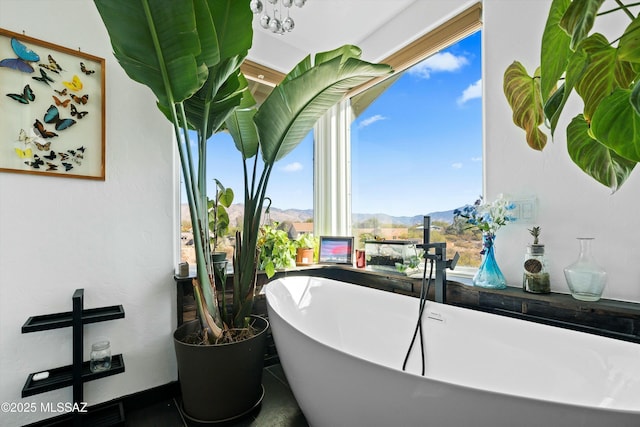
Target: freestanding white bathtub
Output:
[{"x": 342, "y": 347}]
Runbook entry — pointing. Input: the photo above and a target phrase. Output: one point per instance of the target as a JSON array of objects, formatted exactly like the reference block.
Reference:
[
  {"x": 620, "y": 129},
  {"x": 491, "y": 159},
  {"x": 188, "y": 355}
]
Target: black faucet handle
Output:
[{"x": 451, "y": 263}]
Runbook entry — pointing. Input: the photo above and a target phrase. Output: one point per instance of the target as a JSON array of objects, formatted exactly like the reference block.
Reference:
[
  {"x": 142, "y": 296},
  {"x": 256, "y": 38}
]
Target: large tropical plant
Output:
[
  {"x": 189, "y": 53},
  {"x": 603, "y": 140},
  {"x": 265, "y": 134}
]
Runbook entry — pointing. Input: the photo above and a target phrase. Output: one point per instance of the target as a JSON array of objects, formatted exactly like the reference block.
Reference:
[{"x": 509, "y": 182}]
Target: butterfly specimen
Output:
[
  {"x": 42, "y": 131},
  {"x": 23, "y": 137},
  {"x": 80, "y": 99},
  {"x": 36, "y": 163},
  {"x": 25, "y": 55},
  {"x": 61, "y": 103},
  {"x": 52, "y": 65},
  {"x": 24, "y": 154},
  {"x": 43, "y": 147},
  {"x": 62, "y": 92},
  {"x": 51, "y": 156},
  {"x": 67, "y": 166},
  {"x": 44, "y": 77},
  {"x": 81, "y": 149},
  {"x": 84, "y": 69},
  {"x": 75, "y": 84},
  {"x": 73, "y": 153},
  {"x": 76, "y": 113},
  {"x": 53, "y": 116},
  {"x": 52, "y": 166},
  {"x": 26, "y": 96}
]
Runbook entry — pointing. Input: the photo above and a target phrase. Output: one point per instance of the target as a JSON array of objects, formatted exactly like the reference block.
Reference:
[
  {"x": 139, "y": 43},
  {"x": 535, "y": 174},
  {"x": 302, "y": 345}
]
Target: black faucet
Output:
[{"x": 439, "y": 256}]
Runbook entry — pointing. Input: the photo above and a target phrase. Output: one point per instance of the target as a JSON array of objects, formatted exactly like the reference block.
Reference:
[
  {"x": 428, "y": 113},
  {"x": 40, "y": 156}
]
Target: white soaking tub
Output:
[{"x": 342, "y": 347}]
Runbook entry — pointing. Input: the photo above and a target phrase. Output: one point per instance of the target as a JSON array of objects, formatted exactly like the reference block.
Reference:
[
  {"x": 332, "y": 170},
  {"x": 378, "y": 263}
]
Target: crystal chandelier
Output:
[{"x": 273, "y": 19}]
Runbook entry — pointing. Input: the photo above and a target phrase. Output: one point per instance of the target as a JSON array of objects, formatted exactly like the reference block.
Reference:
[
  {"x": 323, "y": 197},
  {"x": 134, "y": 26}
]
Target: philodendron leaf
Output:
[
  {"x": 596, "y": 160},
  {"x": 555, "y": 50},
  {"x": 635, "y": 97},
  {"x": 523, "y": 94},
  {"x": 616, "y": 124},
  {"x": 629, "y": 45},
  {"x": 554, "y": 106},
  {"x": 578, "y": 19},
  {"x": 604, "y": 72}
]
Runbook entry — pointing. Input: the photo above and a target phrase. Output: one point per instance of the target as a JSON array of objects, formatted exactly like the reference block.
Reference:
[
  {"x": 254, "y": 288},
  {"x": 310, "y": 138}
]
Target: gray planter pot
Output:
[{"x": 220, "y": 382}]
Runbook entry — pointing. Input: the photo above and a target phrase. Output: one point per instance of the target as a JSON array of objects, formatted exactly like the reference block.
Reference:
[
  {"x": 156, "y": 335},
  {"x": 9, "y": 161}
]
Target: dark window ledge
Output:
[{"x": 611, "y": 318}]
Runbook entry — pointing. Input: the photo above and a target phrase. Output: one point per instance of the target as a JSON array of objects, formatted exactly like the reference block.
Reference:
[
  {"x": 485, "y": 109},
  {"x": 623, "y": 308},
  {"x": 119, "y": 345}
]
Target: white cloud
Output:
[
  {"x": 371, "y": 120},
  {"x": 456, "y": 165},
  {"x": 292, "y": 167},
  {"x": 471, "y": 92},
  {"x": 440, "y": 62},
  {"x": 476, "y": 159}
]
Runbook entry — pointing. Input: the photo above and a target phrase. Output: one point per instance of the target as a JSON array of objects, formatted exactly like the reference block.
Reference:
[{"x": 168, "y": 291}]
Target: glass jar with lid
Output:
[
  {"x": 535, "y": 278},
  {"x": 100, "y": 356}
]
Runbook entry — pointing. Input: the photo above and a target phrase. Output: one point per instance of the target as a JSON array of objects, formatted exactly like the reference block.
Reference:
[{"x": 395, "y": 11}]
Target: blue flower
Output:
[{"x": 487, "y": 217}]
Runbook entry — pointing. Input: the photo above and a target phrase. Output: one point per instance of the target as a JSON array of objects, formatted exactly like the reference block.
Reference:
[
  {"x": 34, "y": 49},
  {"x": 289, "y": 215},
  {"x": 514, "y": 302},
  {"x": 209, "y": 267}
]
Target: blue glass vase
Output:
[{"x": 489, "y": 274}]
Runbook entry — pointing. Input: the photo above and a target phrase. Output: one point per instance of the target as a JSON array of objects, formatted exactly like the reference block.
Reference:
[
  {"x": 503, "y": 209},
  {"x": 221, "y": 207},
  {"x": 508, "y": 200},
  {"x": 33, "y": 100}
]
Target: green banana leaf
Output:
[
  {"x": 294, "y": 106},
  {"x": 157, "y": 44}
]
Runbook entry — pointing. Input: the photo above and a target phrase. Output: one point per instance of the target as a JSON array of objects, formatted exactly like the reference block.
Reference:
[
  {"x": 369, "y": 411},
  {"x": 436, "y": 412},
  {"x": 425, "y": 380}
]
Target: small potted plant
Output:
[{"x": 306, "y": 246}]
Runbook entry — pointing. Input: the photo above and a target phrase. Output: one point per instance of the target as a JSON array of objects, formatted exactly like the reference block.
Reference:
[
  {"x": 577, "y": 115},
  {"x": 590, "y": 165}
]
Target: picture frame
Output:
[
  {"x": 52, "y": 109},
  {"x": 336, "y": 250}
]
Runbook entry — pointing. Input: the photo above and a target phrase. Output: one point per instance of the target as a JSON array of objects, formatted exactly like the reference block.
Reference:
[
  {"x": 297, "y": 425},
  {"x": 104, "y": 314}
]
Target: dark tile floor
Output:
[{"x": 278, "y": 409}]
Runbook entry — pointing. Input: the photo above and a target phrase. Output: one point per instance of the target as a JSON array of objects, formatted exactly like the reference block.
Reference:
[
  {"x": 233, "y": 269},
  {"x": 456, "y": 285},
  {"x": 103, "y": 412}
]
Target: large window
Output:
[{"x": 416, "y": 149}]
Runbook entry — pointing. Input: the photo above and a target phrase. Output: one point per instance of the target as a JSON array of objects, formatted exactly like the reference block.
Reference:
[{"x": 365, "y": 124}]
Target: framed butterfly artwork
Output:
[{"x": 52, "y": 109}]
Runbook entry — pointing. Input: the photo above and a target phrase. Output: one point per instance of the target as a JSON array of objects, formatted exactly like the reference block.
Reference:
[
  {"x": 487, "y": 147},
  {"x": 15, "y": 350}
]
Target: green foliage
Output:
[
  {"x": 277, "y": 251},
  {"x": 603, "y": 140},
  {"x": 306, "y": 240},
  {"x": 218, "y": 215}
]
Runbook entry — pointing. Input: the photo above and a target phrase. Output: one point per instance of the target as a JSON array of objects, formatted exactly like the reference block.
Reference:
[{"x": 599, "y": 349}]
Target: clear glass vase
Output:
[
  {"x": 489, "y": 274},
  {"x": 585, "y": 278}
]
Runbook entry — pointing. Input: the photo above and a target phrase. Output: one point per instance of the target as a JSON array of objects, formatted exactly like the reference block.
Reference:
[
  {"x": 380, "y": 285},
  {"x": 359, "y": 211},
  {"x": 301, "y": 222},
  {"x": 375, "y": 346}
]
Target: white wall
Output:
[
  {"x": 115, "y": 239},
  {"x": 570, "y": 204}
]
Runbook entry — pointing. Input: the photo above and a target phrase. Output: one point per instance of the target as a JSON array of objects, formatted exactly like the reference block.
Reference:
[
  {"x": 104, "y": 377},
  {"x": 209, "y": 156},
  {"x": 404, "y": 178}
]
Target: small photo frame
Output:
[
  {"x": 336, "y": 250},
  {"x": 52, "y": 109}
]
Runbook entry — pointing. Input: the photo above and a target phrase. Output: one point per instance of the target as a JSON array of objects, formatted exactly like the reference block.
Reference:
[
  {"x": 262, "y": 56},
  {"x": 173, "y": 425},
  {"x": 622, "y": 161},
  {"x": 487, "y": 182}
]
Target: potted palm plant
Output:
[
  {"x": 189, "y": 54},
  {"x": 603, "y": 140}
]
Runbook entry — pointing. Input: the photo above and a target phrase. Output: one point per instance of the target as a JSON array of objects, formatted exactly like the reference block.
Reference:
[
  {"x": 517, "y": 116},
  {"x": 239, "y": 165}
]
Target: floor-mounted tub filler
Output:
[{"x": 342, "y": 348}]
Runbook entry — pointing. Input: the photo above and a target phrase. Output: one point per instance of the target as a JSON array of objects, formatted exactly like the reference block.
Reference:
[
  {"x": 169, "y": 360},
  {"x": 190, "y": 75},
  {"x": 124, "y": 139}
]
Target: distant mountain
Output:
[
  {"x": 303, "y": 215},
  {"x": 236, "y": 211},
  {"x": 446, "y": 216}
]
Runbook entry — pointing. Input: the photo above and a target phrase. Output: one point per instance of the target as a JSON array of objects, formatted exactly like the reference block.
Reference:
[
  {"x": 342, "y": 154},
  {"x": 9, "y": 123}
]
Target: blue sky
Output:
[{"x": 415, "y": 150}]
